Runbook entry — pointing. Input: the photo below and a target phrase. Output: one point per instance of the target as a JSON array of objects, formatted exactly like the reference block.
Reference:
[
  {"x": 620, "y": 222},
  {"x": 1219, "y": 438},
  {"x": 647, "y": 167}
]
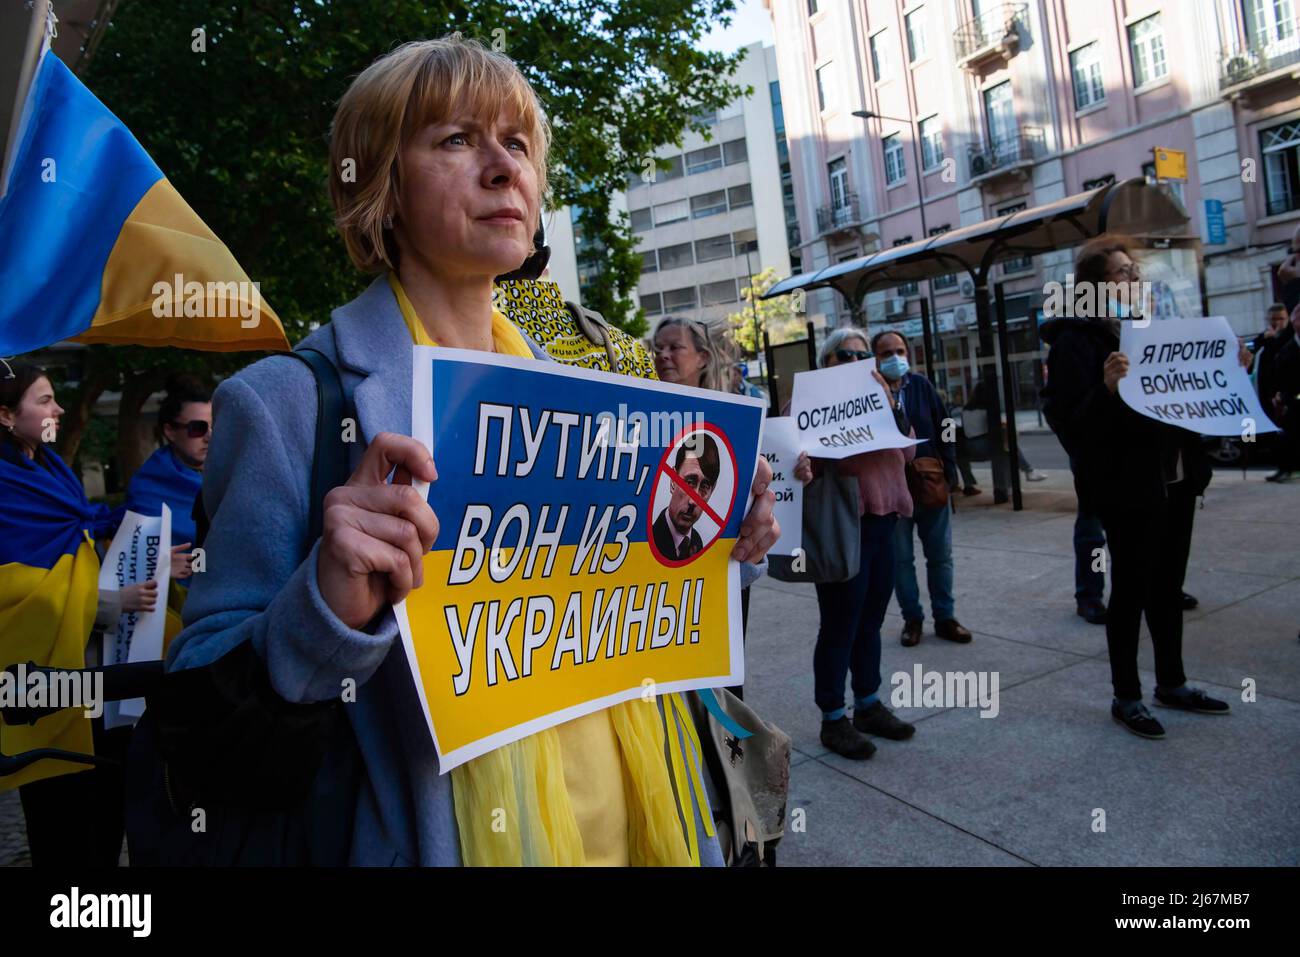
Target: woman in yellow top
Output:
[{"x": 439, "y": 152}]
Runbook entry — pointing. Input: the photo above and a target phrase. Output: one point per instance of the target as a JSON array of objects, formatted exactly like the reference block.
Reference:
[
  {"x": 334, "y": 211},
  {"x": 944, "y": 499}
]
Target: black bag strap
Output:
[{"x": 329, "y": 465}]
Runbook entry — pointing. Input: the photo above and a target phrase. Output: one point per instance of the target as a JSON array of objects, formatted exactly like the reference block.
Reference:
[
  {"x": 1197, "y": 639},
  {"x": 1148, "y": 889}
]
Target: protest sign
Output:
[
  {"x": 780, "y": 446},
  {"x": 1185, "y": 372},
  {"x": 842, "y": 411},
  {"x": 586, "y": 522},
  {"x": 140, "y": 552}
]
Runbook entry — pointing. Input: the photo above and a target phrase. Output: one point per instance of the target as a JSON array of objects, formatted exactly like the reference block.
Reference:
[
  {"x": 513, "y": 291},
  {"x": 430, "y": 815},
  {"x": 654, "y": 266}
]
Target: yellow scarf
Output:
[{"x": 525, "y": 780}]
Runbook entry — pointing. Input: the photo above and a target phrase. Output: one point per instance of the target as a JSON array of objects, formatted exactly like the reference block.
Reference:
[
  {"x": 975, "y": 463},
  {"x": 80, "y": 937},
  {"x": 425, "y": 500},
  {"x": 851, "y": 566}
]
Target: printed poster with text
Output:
[{"x": 586, "y": 522}]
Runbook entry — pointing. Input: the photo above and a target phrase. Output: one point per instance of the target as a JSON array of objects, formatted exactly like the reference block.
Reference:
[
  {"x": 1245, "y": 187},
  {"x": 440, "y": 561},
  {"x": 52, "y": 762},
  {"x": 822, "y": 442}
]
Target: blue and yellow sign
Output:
[{"x": 583, "y": 558}]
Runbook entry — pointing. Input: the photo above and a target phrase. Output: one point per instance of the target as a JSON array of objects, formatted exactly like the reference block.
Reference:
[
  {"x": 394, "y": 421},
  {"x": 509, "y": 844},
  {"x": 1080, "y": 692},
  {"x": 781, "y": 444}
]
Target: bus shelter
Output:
[{"x": 1149, "y": 212}]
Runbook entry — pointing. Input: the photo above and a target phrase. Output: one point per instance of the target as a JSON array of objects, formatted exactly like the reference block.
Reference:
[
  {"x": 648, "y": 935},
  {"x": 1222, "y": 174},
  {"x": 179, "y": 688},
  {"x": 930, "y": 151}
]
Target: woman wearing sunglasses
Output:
[
  {"x": 848, "y": 641},
  {"x": 174, "y": 473}
]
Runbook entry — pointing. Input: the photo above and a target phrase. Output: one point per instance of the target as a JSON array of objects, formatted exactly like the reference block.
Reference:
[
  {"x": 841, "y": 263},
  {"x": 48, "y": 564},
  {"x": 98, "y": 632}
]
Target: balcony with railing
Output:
[
  {"x": 1264, "y": 61},
  {"x": 996, "y": 32},
  {"x": 838, "y": 217},
  {"x": 1007, "y": 155}
]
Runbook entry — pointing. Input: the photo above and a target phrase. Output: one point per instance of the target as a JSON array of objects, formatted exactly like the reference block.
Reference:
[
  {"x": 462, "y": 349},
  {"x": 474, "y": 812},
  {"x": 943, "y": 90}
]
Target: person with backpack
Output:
[{"x": 464, "y": 130}]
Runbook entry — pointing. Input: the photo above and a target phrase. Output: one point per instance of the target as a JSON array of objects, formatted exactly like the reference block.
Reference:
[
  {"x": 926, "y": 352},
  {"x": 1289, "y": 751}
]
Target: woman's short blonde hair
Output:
[
  {"x": 422, "y": 82},
  {"x": 713, "y": 341}
]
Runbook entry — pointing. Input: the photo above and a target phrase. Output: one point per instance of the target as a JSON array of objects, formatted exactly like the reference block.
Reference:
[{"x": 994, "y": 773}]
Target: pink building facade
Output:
[{"x": 978, "y": 108}]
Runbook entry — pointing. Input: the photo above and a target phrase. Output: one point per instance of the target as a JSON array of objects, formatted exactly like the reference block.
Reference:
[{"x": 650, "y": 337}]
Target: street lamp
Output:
[{"x": 928, "y": 304}]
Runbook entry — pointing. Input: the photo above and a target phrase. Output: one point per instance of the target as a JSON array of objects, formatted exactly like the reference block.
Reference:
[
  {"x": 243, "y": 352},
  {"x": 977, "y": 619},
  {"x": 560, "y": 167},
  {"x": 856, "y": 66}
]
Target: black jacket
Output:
[
  {"x": 664, "y": 538},
  {"x": 1286, "y": 378},
  {"x": 1120, "y": 457},
  {"x": 926, "y": 412}
]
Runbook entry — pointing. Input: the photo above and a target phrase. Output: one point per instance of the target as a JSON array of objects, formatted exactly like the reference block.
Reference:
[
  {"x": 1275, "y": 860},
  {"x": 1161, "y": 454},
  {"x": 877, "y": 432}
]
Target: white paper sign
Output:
[
  {"x": 1185, "y": 372},
  {"x": 780, "y": 446},
  {"x": 140, "y": 552},
  {"x": 842, "y": 411}
]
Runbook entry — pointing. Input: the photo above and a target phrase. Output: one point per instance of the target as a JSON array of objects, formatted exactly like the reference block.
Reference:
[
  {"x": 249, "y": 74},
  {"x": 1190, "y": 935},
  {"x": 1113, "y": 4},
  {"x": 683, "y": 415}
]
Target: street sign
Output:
[
  {"x": 1216, "y": 232},
  {"x": 1170, "y": 164}
]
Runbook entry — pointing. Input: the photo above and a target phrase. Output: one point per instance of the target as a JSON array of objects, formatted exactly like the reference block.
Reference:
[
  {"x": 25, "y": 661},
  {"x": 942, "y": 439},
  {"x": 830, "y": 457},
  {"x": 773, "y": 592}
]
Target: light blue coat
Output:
[{"x": 260, "y": 582}]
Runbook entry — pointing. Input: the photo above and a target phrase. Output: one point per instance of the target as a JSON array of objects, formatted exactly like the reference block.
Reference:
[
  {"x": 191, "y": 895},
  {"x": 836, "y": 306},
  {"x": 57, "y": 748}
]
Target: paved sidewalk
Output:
[{"x": 1024, "y": 787}]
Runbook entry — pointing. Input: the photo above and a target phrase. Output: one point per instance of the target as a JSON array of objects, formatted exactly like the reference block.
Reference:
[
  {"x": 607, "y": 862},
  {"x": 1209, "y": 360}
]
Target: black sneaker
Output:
[
  {"x": 1192, "y": 699},
  {"x": 878, "y": 720},
  {"x": 1189, "y": 602},
  {"x": 1092, "y": 611},
  {"x": 841, "y": 737},
  {"x": 1278, "y": 476},
  {"x": 1137, "y": 719}
]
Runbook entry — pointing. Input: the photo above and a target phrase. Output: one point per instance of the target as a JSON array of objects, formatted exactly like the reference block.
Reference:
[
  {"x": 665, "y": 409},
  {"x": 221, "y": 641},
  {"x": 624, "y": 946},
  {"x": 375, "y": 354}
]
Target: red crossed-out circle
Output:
[{"x": 671, "y": 473}]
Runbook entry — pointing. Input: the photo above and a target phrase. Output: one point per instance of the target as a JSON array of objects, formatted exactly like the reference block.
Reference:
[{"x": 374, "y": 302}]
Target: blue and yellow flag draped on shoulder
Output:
[
  {"x": 96, "y": 245},
  {"x": 49, "y": 588}
]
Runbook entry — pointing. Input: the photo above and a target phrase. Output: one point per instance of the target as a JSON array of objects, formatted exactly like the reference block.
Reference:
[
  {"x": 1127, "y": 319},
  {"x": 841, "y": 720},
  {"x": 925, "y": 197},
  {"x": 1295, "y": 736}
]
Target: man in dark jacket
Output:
[
  {"x": 1141, "y": 477},
  {"x": 926, "y": 411},
  {"x": 1285, "y": 403}
]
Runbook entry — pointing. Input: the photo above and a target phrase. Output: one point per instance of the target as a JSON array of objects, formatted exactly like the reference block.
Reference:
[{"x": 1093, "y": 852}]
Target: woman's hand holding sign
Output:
[
  {"x": 1115, "y": 369},
  {"x": 374, "y": 533},
  {"x": 760, "y": 530}
]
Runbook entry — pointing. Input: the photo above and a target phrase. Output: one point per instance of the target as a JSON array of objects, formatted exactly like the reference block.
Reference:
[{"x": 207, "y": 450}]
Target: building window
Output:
[
  {"x": 1281, "y": 148},
  {"x": 674, "y": 170},
  {"x": 1020, "y": 263},
  {"x": 705, "y": 117},
  {"x": 916, "y": 41},
  {"x": 1270, "y": 23},
  {"x": 881, "y": 67},
  {"x": 745, "y": 241},
  {"x": 1085, "y": 68},
  {"x": 735, "y": 151},
  {"x": 738, "y": 196},
  {"x": 649, "y": 262},
  {"x": 947, "y": 280},
  {"x": 674, "y": 257},
  {"x": 812, "y": 7},
  {"x": 1146, "y": 44},
  {"x": 931, "y": 143},
  {"x": 675, "y": 299},
  {"x": 712, "y": 249},
  {"x": 824, "y": 87},
  {"x": 895, "y": 168},
  {"x": 702, "y": 160},
  {"x": 642, "y": 220},
  {"x": 838, "y": 173},
  {"x": 673, "y": 212},
  {"x": 709, "y": 204},
  {"x": 1000, "y": 116},
  {"x": 714, "y": 293},
  {"x": 652, "y": 304}
]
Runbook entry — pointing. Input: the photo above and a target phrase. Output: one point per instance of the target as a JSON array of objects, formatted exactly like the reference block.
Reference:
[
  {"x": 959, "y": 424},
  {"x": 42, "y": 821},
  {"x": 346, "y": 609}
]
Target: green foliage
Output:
[
  {"x": 240, "y": 128},
  {"x": 777, "y": 316}
]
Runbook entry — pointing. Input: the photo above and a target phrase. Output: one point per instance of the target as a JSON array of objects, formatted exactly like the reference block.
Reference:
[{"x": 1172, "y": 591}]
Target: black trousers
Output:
[
  {"x": 78, "y": 820},
  {"x": 1149, "y": 545}
]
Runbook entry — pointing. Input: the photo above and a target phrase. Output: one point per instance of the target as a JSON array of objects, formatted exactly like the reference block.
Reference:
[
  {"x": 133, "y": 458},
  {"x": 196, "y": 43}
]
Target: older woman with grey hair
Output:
[
  {"x": 689, "y": 352},
  {"x": 852, "y": 612}
]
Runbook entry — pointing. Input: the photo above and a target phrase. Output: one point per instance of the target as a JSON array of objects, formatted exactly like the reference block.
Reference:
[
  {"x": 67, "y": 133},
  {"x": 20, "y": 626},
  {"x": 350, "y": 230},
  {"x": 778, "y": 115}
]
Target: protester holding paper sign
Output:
[
  {"x": 449, "y": 148},
  {"x": 848, "y": 640},
  {"x": 1140, "y": 476}
]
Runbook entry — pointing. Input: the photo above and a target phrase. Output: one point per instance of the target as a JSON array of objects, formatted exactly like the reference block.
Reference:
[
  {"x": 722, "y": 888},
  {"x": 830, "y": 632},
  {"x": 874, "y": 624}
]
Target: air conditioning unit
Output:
[
  {"x": 979, "y": 164},
  {"x": 962, "y": 316},
  {"x": 895, "y": 306},
  {"x": 967, "y": 288}
]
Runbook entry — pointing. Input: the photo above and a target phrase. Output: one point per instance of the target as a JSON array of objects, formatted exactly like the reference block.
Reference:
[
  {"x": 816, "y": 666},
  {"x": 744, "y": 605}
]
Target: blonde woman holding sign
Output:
[{"x": 447, "y": 150}]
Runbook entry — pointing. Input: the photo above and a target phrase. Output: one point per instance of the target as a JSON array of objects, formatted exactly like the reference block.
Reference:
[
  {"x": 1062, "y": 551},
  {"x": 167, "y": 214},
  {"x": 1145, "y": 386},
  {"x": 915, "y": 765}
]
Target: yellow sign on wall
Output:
[{"x": 1170, "y": 164}]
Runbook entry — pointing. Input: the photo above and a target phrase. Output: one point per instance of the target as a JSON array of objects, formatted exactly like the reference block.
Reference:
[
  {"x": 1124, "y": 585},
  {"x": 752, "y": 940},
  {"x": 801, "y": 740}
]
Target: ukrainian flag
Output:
[
  {"x": 97, "y": 246},
  {"x": 49, "y": 589}
]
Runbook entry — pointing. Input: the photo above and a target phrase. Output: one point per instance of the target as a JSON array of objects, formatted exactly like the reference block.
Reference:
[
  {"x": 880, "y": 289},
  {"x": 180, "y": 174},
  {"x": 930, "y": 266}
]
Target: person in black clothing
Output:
[
  {"x": 1141, "y": 477},
  {"x": 1288, "y": 273},
  {"x": 1286, "y": 402}
]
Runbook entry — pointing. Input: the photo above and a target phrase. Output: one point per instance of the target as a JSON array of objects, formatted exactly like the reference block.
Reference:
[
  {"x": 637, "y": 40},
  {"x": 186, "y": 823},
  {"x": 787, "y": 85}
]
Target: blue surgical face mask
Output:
[{"x": 894, "y": 368}]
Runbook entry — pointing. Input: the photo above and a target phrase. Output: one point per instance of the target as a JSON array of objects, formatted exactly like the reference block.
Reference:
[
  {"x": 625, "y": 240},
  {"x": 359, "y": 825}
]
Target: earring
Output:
[{"x": 388, "y": 221}]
